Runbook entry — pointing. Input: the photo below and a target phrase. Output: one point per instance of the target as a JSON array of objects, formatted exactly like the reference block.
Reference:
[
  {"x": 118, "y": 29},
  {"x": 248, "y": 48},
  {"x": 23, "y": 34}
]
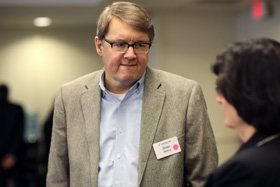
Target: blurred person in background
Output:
[
  {"x": 11, "y": 139},
  {"x": 109, "y": 125},
  {"x": 248, "y": 86},
  {"x": 47, "y": 132}
]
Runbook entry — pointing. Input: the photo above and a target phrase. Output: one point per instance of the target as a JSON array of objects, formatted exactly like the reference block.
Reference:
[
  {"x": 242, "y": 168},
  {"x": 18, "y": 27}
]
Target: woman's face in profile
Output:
[{"x": 232, "y": 119}]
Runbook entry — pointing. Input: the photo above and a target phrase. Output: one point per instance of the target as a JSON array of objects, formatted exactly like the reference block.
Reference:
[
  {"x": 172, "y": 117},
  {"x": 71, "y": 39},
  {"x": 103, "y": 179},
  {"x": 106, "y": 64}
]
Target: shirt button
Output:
[
  {"x": 117, "y": 182},
  {"x": 118, "y": 156},
  {"x": 120, "y": 130},
  {"x": 121, "y": 104}
]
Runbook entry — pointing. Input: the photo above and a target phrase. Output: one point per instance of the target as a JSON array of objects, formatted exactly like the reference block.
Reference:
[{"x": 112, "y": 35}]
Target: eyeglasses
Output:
[{"x": 122, "y": 47}]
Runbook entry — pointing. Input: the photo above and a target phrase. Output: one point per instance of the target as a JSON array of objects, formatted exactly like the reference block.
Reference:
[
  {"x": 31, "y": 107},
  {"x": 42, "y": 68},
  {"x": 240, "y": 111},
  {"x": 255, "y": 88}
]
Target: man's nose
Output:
[{"x": 130, "y": 52}]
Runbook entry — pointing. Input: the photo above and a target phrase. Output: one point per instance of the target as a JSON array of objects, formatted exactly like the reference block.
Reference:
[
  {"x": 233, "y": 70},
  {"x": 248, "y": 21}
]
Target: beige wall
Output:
[{"x": 34, "y": 62}]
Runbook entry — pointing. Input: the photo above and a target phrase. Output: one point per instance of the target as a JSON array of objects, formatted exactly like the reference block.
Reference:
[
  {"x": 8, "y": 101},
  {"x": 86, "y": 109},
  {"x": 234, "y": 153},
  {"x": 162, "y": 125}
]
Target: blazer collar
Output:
[
  {"x": 153, "y": 101},
  {"x": 258, "y": 136},
  {"x": 91, "y": 102}
]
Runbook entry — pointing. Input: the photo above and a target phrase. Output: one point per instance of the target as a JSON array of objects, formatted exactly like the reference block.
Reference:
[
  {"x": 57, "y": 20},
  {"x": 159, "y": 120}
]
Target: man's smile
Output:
[{"x": 128, "y": 65}]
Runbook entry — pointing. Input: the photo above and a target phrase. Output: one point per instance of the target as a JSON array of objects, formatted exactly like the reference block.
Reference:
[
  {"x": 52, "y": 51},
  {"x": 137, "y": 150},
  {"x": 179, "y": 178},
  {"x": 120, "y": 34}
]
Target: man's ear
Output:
[{"x": 98, "y": 46}]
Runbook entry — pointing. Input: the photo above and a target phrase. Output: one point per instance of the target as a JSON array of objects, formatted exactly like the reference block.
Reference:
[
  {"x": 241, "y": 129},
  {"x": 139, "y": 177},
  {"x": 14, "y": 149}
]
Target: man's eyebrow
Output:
[
  {"x": 119, "y": 41},
  {"x": 125, "y": 41},
  {"x": 142, "y": 41}
]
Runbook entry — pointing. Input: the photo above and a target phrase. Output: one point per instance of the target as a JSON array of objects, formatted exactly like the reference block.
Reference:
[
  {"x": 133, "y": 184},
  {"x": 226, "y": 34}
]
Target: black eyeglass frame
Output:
[{"x": 128, "y": 45}]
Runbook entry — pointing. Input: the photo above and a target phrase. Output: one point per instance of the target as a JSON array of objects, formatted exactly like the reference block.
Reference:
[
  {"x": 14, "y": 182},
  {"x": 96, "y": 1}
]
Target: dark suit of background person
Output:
[
  {"x": 248, "y": 84},
  {"x": 170, "y": 106},
  {"x": 47, "y": 132},
  {"x": 11, "y": 138}
]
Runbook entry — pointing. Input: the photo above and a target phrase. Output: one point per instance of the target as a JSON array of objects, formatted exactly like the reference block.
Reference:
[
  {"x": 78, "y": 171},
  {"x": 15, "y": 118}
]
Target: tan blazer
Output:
[{"x": 172, "y": 106}]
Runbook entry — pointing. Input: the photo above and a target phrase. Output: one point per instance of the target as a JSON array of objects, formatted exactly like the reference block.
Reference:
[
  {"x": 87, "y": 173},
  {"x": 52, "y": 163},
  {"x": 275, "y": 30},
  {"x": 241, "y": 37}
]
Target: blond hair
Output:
[{"x": 131, "y": 13}]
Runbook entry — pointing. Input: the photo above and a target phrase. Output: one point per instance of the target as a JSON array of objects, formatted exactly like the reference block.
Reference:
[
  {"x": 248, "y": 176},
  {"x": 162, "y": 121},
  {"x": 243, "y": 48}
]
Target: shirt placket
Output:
[{"x": 120, "y": 137}]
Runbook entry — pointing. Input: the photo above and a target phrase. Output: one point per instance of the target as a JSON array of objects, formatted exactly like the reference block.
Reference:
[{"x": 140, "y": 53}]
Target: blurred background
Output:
[{"x": 34, "y": 61}]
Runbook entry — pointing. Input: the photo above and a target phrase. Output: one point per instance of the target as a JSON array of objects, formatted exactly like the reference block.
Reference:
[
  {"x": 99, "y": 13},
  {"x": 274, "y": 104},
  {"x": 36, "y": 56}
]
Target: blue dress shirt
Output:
[{"x": 120, "y": 123}]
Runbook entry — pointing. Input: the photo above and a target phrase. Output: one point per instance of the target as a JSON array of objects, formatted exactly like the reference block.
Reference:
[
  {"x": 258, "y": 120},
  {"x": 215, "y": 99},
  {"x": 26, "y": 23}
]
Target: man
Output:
[
  {"x": 11, "y": 138},
  {"x": 130, "y": 125}
]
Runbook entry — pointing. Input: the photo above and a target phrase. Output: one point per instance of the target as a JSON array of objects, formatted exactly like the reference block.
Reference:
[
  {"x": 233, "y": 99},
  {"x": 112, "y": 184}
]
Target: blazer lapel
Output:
[
  {"x": 153, "y": 101},
  {"x": 90, "y": 101}
]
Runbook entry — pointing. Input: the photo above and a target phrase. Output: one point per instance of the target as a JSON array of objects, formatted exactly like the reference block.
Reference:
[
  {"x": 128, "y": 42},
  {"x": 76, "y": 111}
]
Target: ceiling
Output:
[{"x": 83, "y": 13}]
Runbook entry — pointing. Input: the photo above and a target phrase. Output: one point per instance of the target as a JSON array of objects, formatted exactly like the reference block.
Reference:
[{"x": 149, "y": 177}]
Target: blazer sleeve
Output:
[
  {"x": 58, "y": 165},
  {"x": 200, "y": 149}
]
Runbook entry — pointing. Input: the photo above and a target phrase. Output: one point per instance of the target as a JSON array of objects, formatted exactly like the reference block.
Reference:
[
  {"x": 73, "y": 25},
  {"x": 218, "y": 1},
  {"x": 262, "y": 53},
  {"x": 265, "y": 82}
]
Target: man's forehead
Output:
[{"x": 119, "y": 30}]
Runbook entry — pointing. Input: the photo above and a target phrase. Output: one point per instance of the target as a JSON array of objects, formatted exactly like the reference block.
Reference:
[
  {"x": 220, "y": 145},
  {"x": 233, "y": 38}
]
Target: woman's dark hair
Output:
[{"x": 249, "y": 78}]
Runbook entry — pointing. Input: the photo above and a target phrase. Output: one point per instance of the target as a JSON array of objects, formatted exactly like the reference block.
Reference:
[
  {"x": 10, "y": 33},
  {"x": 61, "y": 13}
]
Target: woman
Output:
[{"x": 248, "y": 86}]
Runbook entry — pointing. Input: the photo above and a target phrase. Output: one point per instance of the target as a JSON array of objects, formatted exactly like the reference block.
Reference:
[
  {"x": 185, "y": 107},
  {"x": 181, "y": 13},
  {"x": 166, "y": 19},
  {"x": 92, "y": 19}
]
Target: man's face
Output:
[{"x": 122, "y": 70}]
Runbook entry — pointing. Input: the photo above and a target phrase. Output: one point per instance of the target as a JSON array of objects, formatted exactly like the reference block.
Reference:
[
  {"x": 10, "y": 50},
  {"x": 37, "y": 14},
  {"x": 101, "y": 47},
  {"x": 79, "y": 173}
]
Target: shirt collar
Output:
[{"x": 139, "y": 84}]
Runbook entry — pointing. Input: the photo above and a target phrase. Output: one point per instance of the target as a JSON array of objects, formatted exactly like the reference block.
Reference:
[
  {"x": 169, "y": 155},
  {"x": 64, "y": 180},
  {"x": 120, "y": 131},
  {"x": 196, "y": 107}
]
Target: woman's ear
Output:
[{"x": 98, "y": 45}]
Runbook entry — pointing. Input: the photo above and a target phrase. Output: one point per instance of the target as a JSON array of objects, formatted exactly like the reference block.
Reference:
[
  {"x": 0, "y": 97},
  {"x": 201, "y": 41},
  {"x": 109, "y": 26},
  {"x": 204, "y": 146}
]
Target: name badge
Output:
[{"x": 167, "y": 147}]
